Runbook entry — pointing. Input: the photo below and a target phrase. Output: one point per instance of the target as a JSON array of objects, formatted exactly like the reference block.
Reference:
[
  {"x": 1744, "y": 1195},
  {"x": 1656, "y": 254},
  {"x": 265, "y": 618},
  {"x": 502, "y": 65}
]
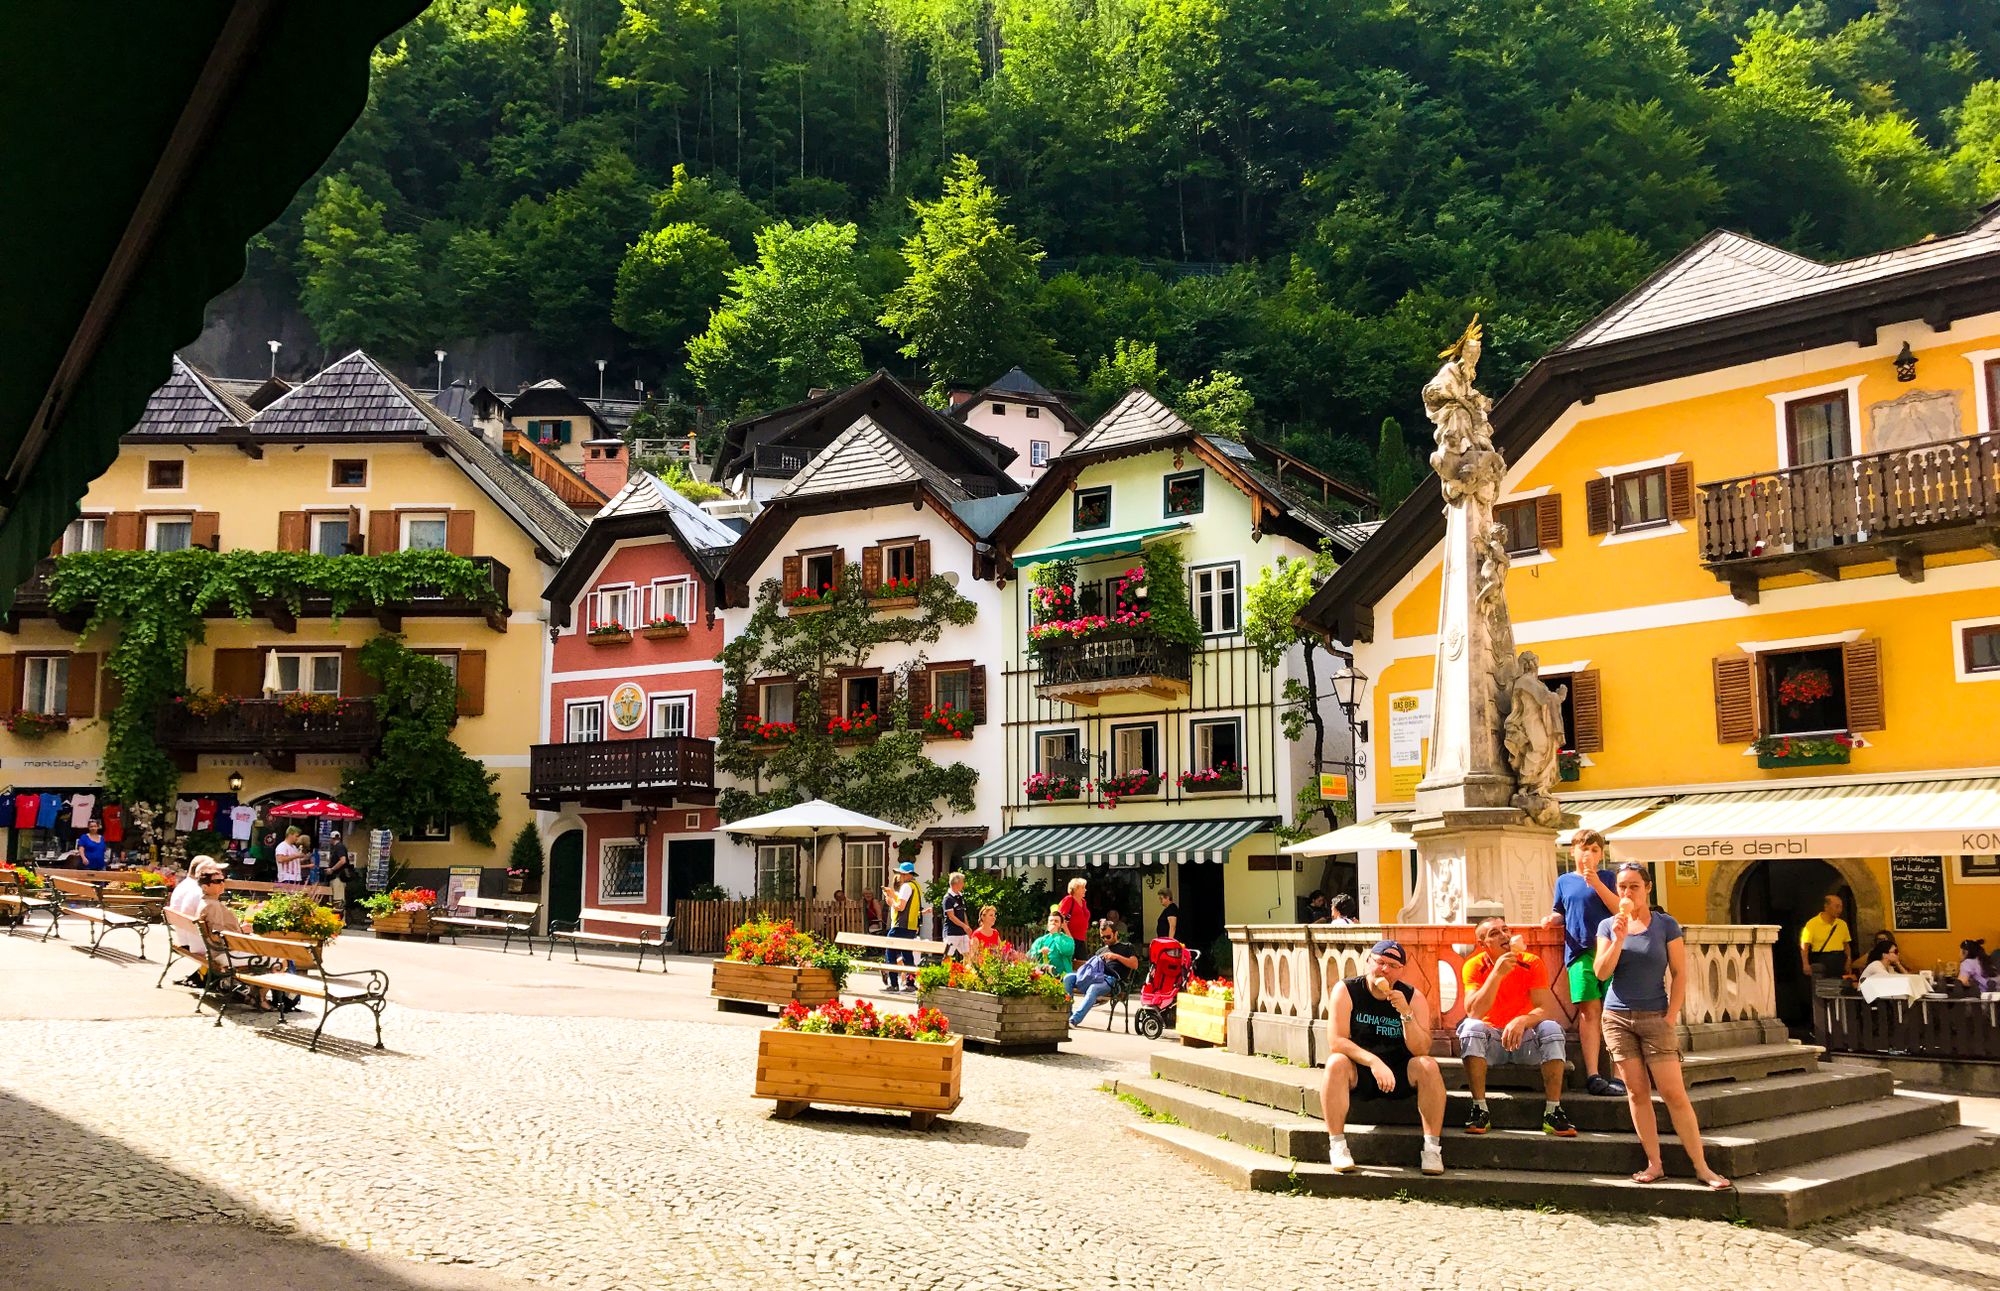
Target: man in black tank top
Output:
[{"x": 1381, "y": 1050}]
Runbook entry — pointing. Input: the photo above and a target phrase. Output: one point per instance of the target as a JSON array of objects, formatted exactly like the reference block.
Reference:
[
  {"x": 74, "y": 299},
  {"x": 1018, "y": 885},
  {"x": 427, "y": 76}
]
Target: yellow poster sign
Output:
[{"x": 1409, "y": 743}]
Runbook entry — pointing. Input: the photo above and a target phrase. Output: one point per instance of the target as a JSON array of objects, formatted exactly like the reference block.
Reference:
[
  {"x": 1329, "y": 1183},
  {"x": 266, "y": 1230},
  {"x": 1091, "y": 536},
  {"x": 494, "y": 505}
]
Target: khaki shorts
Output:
[{"x": 1647, "y": 1037}]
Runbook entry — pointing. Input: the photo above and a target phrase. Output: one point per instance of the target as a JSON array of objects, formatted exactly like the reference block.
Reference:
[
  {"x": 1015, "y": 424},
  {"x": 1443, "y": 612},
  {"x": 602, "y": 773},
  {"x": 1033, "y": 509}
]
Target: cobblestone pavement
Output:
[{"x": 611, "y": 1153}]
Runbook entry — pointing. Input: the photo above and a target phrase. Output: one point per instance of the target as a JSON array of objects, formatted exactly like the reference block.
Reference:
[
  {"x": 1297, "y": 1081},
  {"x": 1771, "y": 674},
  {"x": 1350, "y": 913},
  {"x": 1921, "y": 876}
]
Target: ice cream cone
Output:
[
  {"x": 1519, "y": 945},
  {"x": 1627, "y": 907}
]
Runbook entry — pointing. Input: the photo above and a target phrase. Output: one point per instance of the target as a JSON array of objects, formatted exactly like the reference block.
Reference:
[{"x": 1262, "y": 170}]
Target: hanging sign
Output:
[
  {"x": 628, "y": 707},
  {"x": 1332, "y": 787}
]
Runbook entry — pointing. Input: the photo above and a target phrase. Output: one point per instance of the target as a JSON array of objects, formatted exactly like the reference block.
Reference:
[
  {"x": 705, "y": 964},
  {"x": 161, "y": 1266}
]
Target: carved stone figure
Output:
[
  {"x": 1465, "y": 460},
  {"x": 1534, "y": 740}
]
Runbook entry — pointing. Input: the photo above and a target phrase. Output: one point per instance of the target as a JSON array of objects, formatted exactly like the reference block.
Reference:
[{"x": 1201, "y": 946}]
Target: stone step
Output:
[
  {"x": 1778, "y": 1142},
  {"x": 1850, "y": 1181}
]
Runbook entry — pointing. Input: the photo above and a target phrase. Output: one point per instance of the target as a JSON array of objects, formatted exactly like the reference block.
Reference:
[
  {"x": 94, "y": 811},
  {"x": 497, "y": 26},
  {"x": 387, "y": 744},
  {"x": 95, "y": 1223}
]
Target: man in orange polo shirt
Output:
[{"x": 1510, "y": 1018}]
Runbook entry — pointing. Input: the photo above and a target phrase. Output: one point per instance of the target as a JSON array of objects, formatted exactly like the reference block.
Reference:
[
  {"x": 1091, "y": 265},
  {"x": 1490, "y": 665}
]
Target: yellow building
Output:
[
  {"x": 352, "y": 461},
  {"x": 1754, "y": 514}
]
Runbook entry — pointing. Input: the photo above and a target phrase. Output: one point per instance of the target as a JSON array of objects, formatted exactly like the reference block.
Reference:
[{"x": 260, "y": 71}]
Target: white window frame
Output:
[
  {"x": 601, "y": 614},
  {"x": 1781, "y": 404},
  {"x": 871, "y": 857},
  {"x": 407, "y": 522},
  {"x": 1197, "y": 727},
  {"x": 77, "y": 534},
  {"x": 1038, "y": 452},
  {"x": 605, "y": 896},
  {"x": 54, "y": 677},
  {"x": 909, "y": 546},
  {"x": 657, "y": 705},
  {"x": 806, "y": 580},
  {"x": 1958, "y": 631},
  {"x": 764, "y": 690},
  {"x": 1233, "y": 597},
  {"x": 147, "y": 479},
  {"x": 572, "y": 708},
  {"x": 305, "y": 662},
  {"x": 770, "y": 858},
  {"x": 1071, "y": 733},
  {"x": 153, "y": 523},
  {"x": 1032, "y": 411},
  {"x": 437, "y": 829},
  {"x": 1159, "y": 754},
  {"x": 846, "y": 709},
  {"x": 680, "y": 590},
  {"x": 314, "y": 519}
]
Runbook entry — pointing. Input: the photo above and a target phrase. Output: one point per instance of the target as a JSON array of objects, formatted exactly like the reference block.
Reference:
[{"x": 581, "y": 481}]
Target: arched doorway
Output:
[
  {"x": 566, "y": 876},
  {"x": 1788, "y": 893}
]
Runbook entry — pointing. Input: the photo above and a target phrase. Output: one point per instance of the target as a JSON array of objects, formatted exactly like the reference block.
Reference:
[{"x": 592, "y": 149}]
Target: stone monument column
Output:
[{"x": 1485, "y": 821}]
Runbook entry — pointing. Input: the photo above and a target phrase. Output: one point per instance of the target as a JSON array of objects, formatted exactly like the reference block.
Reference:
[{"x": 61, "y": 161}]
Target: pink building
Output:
[{"x": 626, "y": 782}]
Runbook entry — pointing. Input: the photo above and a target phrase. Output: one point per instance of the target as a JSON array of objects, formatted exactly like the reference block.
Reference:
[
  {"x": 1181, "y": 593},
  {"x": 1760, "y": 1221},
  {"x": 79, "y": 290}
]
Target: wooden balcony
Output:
[
  {"x": 1897, "y": 506},
  {"x": 1113, "y": 663},
  {"x": 265, "y": 727},
  {"x": 560, "y": 477},
  {"x": 609, "y": 773}
]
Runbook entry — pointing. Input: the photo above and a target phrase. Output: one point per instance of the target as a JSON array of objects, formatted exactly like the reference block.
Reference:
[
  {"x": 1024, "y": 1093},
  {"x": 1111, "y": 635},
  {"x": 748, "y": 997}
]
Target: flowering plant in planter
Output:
[
  {"x": 895, "y": 588},
  {"x": 1804, "y": 686},
  {"x": 295, "y": 913},
  {"x": 1042, "y": 787},
  {"x": 1569, "y": 764},
  {"x": 608, "y": 629},
  {"x": 1216, "y": 987},
  {"x": 149, "y": 879},
  {"x": 768, "y": 732},
  {"x": 1004, "y": 972},
  {"x": 1222, "y": 776},
  {"x": 862, "y": 721},
  {"x": 943, "y": 719},
  {"x": 835, "y": 1018},
  {"x": 307, "y": 703},
  {"x": 403, "y": 900},
  {"x": 33, "y": 726},
  {"x": 1127, "y": 783},
  {"x": 806, "y": 596},
  {"x": 1777, "y": 750},
  {"x": 780, "y": 942},
  {"x": 28, "y": 879},
  {"x": 662, "y": 621},
  {"x": 204, "y": 703}
]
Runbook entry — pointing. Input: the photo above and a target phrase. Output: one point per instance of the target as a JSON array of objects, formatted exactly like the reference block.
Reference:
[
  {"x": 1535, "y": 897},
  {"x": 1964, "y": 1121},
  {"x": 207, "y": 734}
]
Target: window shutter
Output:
[
  {"x": 1549, "y": 521},
  {"x": 239, "y": 672},
  {"x": 1680, "y": 491},
  {"x": 291, "y": 531},
  {"x": 871, "y": 568},
  {"x": 885, "y": 694},
  {"x": 978, "y": 688},
  {"x": 1735, "y": 699},
  {"x": 10, "y": 684},
  {"x": 82, "y": 685},
  {"x": 829, "y": 698},
  {"x": 1596, "y": 505},
  {"x": 793, "y": 568},
  {"x": 921, "y": 564},
  {"x": 353, "y": 681},
  {"x": 458, "y": 533},
  {"x": 206, "y": 530},
  {"x": 749, "y": 704},
  {"x": 839, "y": 567},
  {"x": 354, "y": 529},
  {"x": 1862, "y": 663},
  {"x": 114, "y": 692},
  {"x": 471, "y": 682},
  {"x": 920, "y": 693},
  {"x": 381, "y": 532},
  {"x": 1586, "y": 704},
  {"x": 124, "y": 531}
]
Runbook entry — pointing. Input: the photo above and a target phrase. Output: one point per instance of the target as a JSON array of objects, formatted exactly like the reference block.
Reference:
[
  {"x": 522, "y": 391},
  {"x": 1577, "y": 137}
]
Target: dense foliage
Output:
[
  {"x": 419, "y": 775},
  {"x": 1311, "y": 196}
]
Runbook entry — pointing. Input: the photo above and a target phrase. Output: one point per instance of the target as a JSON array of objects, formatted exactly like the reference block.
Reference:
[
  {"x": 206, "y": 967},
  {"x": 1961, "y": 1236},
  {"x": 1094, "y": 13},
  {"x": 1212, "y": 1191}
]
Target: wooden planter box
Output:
[
  {"x": 1013, "y": 1024},
  {"x": 403, "y": 923},
  {"x": 665, "y": 632},
  {"x": 1200, "y": 1020},
  {"x": 798, "y": 1070},
  {"x": 771, "y": 985},
  {"x": 893, "y": 602},
  {"x": 814, "y": 608},
  {"x": 608, "y": 638}
]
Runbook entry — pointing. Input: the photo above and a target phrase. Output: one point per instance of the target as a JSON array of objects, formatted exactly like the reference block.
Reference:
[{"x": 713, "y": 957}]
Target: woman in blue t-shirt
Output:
[{"x": 1642, "y": 956}]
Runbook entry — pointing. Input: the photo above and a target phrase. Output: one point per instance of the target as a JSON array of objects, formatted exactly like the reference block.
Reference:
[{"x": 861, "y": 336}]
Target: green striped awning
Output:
[
  {"x": 1152, "y": 842},
  {"x": 1090, "y": 547}
]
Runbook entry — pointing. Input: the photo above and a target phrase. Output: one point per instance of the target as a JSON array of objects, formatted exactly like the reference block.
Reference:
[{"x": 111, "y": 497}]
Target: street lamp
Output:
[
  {"x": 1348, "y": 685},
  {"x": 275, "y": 347},
  {"x": 600, "y": 377},
  {"x": 440, "y": 354},
  {"x": 1906, "y": 363},
  {"x": 236, "y": 782}
]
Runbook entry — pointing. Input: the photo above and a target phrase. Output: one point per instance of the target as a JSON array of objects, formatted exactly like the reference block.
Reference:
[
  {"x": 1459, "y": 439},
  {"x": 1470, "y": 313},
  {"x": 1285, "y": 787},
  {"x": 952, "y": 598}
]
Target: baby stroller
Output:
[{"x": 1173, "y": 964}]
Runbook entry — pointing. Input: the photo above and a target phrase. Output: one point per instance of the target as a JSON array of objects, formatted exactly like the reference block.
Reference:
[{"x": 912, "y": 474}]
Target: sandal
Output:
[
  {"x": 1649, "y": 1175},
  {"x": 1716, "y": 1183}
]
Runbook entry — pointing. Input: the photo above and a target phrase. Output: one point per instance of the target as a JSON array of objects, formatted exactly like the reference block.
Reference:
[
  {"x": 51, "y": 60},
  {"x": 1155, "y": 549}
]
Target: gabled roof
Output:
[
  {"x": 1136, "y": 419},
  {"x": 1018, "y": 387},
  {"x": 1018, "y": 382},
  {"x": 552, "y": 396},
  {"x": 647, "y": 494},
  {"x": 191, "y": 403},
  {"x": 353, "y": 396},
  {"x": 646, "y": 507},
  {"x": 866, "y": 456}
]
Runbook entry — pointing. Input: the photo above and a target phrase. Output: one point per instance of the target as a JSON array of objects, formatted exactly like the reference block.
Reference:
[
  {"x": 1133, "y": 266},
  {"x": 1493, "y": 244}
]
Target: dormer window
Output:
[
  {"x": 1032, "y": 412},
  {"x": 999, "y": 409}
]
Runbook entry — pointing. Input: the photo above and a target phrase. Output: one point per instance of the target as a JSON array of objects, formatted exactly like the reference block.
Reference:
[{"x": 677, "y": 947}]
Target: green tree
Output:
[
  {"x": 1130, "y": 363},
  {"x": 575, "y": 248},
  {"x": 967, "y": 307},
  {"x": 1396, "y": 467},
  {"x": 363, "y": 285},
  {"x": 789, "y": 322},
  {"x": 419, "y": 775},
  {"x": 1218, "y": 403},
  {"x": 1271, "y": 606},
  {"x": 670, "y": 281}
]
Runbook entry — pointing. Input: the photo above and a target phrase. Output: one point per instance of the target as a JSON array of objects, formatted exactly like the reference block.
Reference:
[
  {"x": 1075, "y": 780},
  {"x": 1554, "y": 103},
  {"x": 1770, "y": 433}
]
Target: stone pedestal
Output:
[{"x": 1491, "y": 854}]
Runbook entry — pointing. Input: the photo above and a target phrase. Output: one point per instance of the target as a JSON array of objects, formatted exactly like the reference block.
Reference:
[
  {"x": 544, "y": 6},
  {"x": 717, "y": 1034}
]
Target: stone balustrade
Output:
[{"x": 1285, "y": 975}]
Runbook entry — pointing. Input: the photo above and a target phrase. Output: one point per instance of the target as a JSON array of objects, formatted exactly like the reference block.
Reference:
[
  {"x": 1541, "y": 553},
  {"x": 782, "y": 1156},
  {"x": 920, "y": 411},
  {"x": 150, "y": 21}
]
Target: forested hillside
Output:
[{"x": 1293, "y": 201}]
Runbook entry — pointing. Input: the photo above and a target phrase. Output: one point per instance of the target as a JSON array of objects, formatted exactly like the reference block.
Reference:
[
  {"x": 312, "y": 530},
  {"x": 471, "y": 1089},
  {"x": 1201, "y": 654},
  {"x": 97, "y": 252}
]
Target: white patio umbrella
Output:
[{"x": 816, "y": 820}]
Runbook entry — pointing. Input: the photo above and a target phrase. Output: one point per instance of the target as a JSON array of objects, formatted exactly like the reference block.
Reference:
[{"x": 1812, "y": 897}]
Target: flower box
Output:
[
  {"x": 1201, "y": 1020},
  {"x": 771, "y": 985},
  {"x": 893, "y": 602},
  {"x": 1225, "y": 779},
  {"x": 1569, "y": 766},
  {"x": 1054, "y": 795},
  {"x": 1772, "y": 761},
  {"x": 663, "y": 631},
  {"x": 600, "y": 637},
  {"x": 797, "y": 1069},
  {"x": 812, "y": 608},
  {"x": 1778, "y": 751},
  {"x": 1010, "y": 1023},
  {"x": 403, "y": 923}
]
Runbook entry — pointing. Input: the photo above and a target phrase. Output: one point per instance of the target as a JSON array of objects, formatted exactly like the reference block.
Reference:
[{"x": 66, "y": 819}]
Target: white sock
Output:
[
  {"x": 1479, "y": 1103},
  {"x": 1336, "y": 1140},
  {"x": 1434, "y": 1142},
  {"x": 1549, "y": 1106}
]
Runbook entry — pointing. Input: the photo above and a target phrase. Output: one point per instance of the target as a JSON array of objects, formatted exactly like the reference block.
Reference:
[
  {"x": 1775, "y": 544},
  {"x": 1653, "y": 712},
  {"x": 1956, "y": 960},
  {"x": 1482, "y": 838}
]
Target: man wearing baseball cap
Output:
[
  {"x": 906, "y": 907},
  {"x": 1381, "y": 1050},
  {"x": 190, "y": 897}
]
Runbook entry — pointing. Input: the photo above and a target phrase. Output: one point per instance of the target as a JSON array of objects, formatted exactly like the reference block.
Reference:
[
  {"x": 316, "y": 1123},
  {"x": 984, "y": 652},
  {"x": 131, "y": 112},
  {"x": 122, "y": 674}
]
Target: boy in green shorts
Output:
[{"x": 1584, "y": 899}]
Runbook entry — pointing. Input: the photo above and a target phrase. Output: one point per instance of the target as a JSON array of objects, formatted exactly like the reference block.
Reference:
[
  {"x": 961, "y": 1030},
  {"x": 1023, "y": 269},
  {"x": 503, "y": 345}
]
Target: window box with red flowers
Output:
[
  {"x": 864, "y": 723},
  {"x": 608, "y": 634},
  {"x": 855, "y": 1057},
  {"x": 1041, "y": 787},
  {"x": 665, "y": 628},
  {"x": 33, "y": 726},
  {"x": 755, "y": 731},
  {"x": 895, "y": 594},
  {"x": 1569, "y": 764},
  {"x": 204, "y": 703},
  {"x": 1127, "y": 784},
  {"x": 1223, "y": 777},
  {"x": 810, "y": 600},
  {"x": 307, "y": 703},
  {"x": 1803, "y": 750},
  {"x": 944, "y": 722}
]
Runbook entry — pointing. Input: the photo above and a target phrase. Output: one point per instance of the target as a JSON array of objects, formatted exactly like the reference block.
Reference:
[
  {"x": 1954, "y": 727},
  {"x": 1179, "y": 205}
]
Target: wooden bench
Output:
[
  {"x": 85, "y": 901},
  {"x": 572, "y": 931},
  {"x": 18, "y": 901},
  {"x": 868, "y": 941},
  {"x": 286, "y": 967},
  {"x": 217, "y": 968},
  {"x": 492, "y": 914}
]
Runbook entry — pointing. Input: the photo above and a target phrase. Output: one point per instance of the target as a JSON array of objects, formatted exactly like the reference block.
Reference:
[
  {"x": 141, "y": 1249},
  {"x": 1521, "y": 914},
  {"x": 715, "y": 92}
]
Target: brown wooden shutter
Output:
[
  {"x": 291, "y": 531},
  {"x": 239, "y": 672},
  {"x": 10, "y": 684},
  {"x": 978, "y": 690},
  {"x": 1596, "y": 505},
  {"x": 206, "y": 530},
  {"x": 82, "y": 701},
  {"x": 353, "y": 680},
  {"x": 794, "y": 567},
  {"x": 885, "y": 694},
  {"x": 1735, "y": 698},
  {"x": 1680, "y": 491},
  {"x": 1586, "y": 705},
  {"x": 354, "y": 530},
  {"x": 871, "y": 568},
  {"x": 458, "y": 533},
  {"x": 124, "y": 531},
  {"x": 920, "y": 693},
  {"x": 381, "y": 532},
  {"x": 1549, "y": 521},
  {"x": 839, "y": 567},
  {"x": 749, "y": 704},
  {"x": 829, "y": 698},
  {"x": 471, "y": 683},
  {"x": 1861, "y": 661},
  {"x": 921, "y": 564}
]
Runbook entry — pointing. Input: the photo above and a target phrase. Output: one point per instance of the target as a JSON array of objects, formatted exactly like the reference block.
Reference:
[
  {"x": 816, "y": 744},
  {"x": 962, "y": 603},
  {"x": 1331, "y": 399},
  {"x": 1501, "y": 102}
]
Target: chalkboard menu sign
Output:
[{"x": 1916, "y": 889}]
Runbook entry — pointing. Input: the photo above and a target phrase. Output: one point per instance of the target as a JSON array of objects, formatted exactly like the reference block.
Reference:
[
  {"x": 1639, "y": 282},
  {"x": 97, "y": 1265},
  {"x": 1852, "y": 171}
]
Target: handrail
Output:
[{"x": 1842, "y": 461}]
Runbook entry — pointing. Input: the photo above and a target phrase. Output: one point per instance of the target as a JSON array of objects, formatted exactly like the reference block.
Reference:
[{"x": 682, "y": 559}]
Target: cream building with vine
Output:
[{"x": 351, "y": 463}]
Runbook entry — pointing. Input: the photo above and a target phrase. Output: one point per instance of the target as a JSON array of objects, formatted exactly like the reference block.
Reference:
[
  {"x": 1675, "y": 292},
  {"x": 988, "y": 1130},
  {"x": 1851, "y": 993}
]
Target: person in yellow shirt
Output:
[{"x": 1826, "y": 947}]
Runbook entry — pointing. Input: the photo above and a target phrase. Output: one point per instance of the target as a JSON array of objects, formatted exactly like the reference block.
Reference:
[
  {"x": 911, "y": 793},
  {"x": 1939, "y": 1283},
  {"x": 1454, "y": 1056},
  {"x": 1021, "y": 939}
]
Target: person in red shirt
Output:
[
  {"x": 987, "y": 935},
  {"x": 1510, "y": 1018},
  {"x": 1076, "y": 913}
]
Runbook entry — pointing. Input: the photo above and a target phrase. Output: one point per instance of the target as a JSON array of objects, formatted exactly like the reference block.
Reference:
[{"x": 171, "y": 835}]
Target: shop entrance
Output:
[
  {"x": 566, "y": 877},
  {"x": 1788, "y": 893},
  {"x": 690, "y": 864},
  {"x": 1200, "y": 897}
]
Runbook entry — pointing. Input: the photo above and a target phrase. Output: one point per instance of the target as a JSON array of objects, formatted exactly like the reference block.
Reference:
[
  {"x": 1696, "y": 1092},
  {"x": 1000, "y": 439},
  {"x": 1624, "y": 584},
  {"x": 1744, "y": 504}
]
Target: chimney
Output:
[
  {"x": 960, "y": 397},
  {"x": 606, "y": 465}
]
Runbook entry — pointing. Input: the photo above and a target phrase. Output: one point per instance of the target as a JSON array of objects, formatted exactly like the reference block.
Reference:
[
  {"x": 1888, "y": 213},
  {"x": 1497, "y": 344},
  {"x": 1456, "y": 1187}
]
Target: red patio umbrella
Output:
[{"x": 322, "y": 808}]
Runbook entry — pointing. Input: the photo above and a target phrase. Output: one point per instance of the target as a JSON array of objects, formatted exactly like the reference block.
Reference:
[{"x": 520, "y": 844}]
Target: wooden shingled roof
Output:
[
  {"x": 191, "y": 403},
  {"x": 353, "y": 396}
]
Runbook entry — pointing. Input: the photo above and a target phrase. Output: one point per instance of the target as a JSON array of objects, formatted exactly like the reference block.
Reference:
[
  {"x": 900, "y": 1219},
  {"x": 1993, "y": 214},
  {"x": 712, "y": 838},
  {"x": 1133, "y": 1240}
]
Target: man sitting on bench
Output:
[{"x": 192, "y": 897}]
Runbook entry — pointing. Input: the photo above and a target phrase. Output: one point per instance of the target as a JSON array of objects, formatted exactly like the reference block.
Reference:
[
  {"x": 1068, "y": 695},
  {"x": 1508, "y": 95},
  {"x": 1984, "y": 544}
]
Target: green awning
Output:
[
  {"x": 1146, "y": 842},
  {"x": 1124, "y": 543}
]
